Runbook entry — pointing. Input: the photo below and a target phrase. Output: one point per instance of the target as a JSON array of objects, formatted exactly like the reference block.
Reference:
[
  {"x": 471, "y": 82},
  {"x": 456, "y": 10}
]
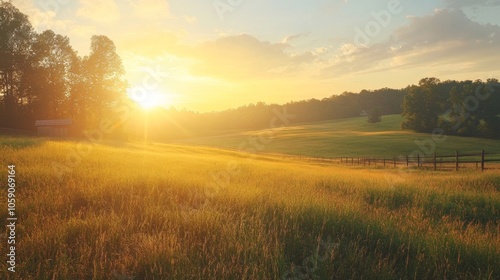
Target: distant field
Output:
[
  {"x": 348, "y": 137},
  {"x": 136, "y": 211}
]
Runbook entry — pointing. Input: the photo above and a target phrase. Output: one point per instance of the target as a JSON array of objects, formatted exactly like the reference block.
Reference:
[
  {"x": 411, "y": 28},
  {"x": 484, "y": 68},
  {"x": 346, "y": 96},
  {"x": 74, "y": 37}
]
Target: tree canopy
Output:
[
  {"x": 42, "y": 77},
  {"x": 467, "y": 108}
]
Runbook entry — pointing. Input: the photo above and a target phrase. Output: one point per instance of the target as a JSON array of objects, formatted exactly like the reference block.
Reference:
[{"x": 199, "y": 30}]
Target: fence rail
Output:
[
  {"x": 435, "y": 162},
  {"x": 456, "y": 161}
]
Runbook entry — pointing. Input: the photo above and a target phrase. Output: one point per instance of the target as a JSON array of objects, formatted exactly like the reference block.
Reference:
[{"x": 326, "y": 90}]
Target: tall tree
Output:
[
  {"x": 16, "y": 35},
  {"x": 49, "y": 82},
  {"x": 421, "y": 106},
  {"x": 78, "y": 105},
  {"x": 104, "y": 75}
]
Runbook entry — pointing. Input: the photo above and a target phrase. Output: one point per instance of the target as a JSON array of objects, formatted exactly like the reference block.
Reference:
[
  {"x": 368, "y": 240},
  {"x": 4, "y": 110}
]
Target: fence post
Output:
[
  {"x": 456, "y": 161},
  {"x": 352, "y": 161},
  {"x": 435, "y": 164},
  {"x": 418, "y": 160},
  {"x": 407, "y": 161},
  {"x": 482, "y": 160}
]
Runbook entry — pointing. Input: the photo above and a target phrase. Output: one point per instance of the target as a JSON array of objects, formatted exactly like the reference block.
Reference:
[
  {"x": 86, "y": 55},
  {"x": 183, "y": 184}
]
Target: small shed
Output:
[{"x": 54, "y": 128}]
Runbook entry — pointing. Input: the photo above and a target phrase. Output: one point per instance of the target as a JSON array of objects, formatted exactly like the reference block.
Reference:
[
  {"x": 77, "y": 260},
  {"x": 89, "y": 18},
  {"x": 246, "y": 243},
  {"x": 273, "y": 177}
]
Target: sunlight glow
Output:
[{"x": 151, "y": 99}]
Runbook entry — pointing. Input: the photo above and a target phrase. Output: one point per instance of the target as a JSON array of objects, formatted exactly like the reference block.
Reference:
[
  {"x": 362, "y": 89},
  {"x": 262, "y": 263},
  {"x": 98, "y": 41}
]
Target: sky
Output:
[{"x": 209, "y": 55}]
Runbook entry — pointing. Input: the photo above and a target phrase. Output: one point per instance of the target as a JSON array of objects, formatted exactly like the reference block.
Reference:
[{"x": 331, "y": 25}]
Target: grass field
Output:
[
  {"x": 136, "y": 211},
  {"x": 348, "y": 137}
]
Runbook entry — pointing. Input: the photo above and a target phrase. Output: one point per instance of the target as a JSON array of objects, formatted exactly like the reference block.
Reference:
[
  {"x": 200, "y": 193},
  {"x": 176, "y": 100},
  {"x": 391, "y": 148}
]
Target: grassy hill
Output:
[
  {"x": 348, "y": 137},
  {"x": 178, "y": 212}
]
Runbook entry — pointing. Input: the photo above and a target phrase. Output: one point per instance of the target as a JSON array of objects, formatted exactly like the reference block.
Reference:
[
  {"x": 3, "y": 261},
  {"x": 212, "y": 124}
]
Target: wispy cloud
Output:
[{"x": 290, "y": 38}]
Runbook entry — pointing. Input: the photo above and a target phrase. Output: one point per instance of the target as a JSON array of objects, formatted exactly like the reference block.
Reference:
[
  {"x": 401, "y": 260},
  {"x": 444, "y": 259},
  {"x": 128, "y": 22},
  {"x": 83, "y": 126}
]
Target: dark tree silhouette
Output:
[
  {"x": 48, "y": 82},
  {"x": 374, "y": 116},
  {"x": 16, "y": 35},
  {"x": 41, "y": 76},
  {"x": 103, "y": 75}
]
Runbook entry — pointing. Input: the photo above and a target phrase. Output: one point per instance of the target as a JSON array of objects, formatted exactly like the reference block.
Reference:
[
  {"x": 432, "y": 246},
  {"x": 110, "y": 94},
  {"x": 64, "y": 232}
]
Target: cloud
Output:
[
  {"x": 154, "y": 43},
  {"x": 448, "y": 39},
  {"x": 103, "y": 11},
  {"x": 444, "y": 26},
  {"x": 291, "y": 38},
  {"x": 48, "y": 15},
  {"x": 471, "y": 3},
  {"x": 151, "y": 9},
  {"x": 245, "y": 57},
  {"x": 237, "y": 57},
  {"x": 41, "y": 18}
]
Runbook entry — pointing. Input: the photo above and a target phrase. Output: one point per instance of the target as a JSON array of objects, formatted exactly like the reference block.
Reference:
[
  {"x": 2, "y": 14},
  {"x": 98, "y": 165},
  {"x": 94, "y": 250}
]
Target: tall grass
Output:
[{"x": 144, "y": 212}]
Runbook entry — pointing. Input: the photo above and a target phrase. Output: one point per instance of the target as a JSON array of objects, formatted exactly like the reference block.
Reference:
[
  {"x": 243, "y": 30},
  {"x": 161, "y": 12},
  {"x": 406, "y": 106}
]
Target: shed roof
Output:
[{"x": 54, "y": 122}]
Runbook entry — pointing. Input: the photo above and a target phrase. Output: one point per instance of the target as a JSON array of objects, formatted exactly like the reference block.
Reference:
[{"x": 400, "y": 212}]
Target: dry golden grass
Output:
[{"x": 178, "y": 212}]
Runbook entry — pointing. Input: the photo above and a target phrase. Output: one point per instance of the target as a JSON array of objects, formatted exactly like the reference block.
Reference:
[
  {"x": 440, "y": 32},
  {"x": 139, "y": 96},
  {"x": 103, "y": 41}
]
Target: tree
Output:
[
  {"x": 16, "y": 34},
  {"x": 475, "y": 109},
  {"x": 102, "y": 75},
  {"x": 77, "y": 103},
  {"x": 375, "y": 116},
  {"x": 422, "y": 107},
  {"x": 489, "y": 108},
  {"x": 41, "y": 75},
  {"x": 48, "y": 84}
]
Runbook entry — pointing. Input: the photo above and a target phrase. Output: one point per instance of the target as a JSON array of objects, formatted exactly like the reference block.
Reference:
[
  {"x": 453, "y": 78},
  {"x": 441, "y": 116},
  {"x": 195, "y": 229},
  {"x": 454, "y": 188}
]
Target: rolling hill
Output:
[{"x": 347, "y": 137}]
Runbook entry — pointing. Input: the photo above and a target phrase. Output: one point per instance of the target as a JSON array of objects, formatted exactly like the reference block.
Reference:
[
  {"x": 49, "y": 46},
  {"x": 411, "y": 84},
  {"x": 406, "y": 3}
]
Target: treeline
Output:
[
  {"x": 169, "y": 124},
  {"x": 42, "y": 77},
  {"x": 467, "y": 108}
]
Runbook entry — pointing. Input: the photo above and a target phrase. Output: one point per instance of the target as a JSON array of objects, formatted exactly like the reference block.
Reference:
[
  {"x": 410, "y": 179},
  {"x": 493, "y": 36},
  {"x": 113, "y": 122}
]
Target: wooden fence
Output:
[
  {"x": 456, "y": 161},
  {"x": 435, "y": 161}
]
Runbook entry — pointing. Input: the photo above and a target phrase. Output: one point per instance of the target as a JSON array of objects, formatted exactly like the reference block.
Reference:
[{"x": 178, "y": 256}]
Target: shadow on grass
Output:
[
  {"x": 368, "y": 248},
  {"x": 468, "y": 208}
]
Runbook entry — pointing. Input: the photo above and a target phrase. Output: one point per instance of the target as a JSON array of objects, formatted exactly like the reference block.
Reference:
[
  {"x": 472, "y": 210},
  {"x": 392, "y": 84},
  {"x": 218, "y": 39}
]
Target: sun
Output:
[{"x": 150, "y": 99}]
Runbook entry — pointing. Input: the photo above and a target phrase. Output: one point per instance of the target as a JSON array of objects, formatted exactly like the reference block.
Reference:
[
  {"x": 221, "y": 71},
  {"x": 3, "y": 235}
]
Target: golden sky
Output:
[{"x": 209, "y": 55}]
